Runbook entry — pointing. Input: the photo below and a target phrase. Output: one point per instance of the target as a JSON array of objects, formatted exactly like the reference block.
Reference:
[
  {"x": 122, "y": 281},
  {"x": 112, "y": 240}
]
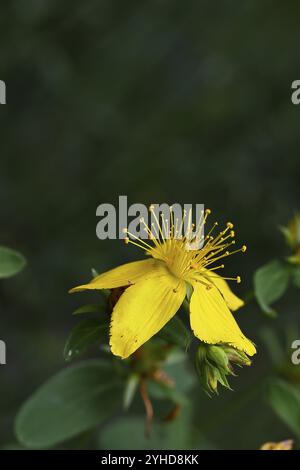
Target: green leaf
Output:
[
  {"x": 175, "y": 356},
  {"x": 12, "y": 446},
  {"x": 285, "y": 401},
  {"x": 175, "y": 332},
  {"x": 161, "y": 391},
  {"x": 182, "y": 374},
  {"x": 84, "y": 334},
  {"x": 88, "y": 309},
  {"x": 11, "y": 262},
  {"x": 183, "y": 380},
  {"x": 270, "y": 283},
  {"x": 296, "y": 276},
  {"x": 129, "y": 433},
  {"x": 273, "y": 345},
  {"x": 76, "y": 400}
]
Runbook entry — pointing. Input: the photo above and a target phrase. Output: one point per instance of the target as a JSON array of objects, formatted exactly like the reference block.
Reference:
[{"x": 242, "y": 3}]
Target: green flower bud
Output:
[
  {"x": 218, "y": 356},
  {"x": 202, "y": 351},
  {"x": 214, "y": 365},
  {"x": 237, "y": 357},
  {"x": 222, "y": 379},
  {"x": 211, "y": 380},
  {"x": 292, "y": 237}
]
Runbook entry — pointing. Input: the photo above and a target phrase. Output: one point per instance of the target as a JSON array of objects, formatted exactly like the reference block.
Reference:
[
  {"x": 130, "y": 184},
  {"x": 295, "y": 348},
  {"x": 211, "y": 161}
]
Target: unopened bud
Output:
[
  {"x": 218, "y": 356},
  {"x": 291, "y": 234},
  {"x": 214, "y": 365},
  {"x": 237, "y": 357}
]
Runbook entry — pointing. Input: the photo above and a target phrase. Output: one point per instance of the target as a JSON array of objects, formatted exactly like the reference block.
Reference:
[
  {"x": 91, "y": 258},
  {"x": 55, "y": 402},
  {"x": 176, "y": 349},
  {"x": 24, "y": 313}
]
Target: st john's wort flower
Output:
[{"x": 156, "y": 287}]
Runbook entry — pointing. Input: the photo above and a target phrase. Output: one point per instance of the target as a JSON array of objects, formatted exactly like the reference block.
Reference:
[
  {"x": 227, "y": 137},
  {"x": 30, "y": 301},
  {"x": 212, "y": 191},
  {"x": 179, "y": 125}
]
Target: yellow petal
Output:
[
  {"x": 233, "y": 302},
  {"x": 124, "y": 275},
  {"x": 212, "y": 321},
  {"x": 143, "y": 309}
]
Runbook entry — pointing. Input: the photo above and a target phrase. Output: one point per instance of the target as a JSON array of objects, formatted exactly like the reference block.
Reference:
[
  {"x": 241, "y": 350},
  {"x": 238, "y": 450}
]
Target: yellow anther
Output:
[
  {"x": 229, "y": 225},
  {"x": 126, "y": 240},
  {"x": 207, "y": 211},
  {"x": 124, "y": 230},
  {"x": 244, "y": 248},
  {"x": 232, "y": 233},
  {"x": 238, "y": 279}
]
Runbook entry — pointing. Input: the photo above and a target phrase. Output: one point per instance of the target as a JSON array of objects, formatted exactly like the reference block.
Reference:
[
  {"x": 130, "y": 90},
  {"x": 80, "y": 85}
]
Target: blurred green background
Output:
[{"x": 163, "y": 101}]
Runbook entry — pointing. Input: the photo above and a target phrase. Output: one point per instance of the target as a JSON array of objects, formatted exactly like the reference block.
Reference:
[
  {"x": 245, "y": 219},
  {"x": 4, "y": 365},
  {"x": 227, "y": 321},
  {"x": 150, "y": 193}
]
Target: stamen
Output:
[
  {"x": 167, "y": 242},
  {"x": 237, "y": 279},
  {"x": 208, "y": 286},
  {"x": 213, "y": 227},
  {"x": 156, "y": 220},
  {"x": 221, "y": 266},
  {"x": 141, "y": 242}
]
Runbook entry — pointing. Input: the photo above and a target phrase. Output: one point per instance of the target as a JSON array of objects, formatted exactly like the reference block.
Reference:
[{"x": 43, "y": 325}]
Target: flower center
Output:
[
  {"x": 175, "y": 255},
  {"x": 192, "y": 256}
]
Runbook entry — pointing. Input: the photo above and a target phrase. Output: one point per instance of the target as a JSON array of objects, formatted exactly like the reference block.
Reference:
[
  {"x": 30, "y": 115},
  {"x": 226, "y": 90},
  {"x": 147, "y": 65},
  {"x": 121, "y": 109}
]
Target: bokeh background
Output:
[{"x": 162, "y": 101}]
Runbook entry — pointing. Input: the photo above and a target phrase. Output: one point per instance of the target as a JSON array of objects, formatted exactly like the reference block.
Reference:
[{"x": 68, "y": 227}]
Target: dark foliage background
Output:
[{"x": 160, "y": 100}]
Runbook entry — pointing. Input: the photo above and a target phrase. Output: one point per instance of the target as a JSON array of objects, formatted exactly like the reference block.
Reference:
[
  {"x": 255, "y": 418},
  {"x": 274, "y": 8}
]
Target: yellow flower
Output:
[{"x": 156, "y": 287}]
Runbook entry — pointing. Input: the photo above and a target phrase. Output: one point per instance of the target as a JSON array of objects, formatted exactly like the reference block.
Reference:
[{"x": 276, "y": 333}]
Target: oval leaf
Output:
[
  {"x": 11, "y": 262},
  {"x": 161, "y": 391},
  {"x": 175, "y": 332},
  {"x": 72, "y": 402},
  {"x": 296, "y": 276},
  {"x": 129, "y": 433},
  {"x": 84, "y": 334},
  {"x": 285, "y": 401},
  {"x": 270, "y": 283}
]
